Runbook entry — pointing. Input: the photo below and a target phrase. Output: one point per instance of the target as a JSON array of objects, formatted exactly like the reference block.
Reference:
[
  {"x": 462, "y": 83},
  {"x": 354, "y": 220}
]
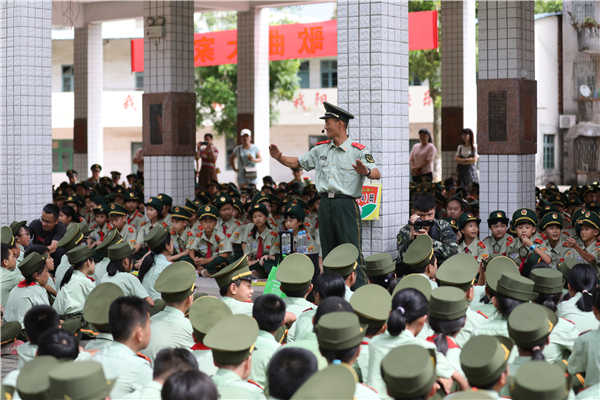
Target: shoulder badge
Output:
[
  {"x": 218, "y": 238},
  {"x": 130, "y": 229},
  {"x": 238, "y": 223},
  {"x": 142, "y": 223},
  {"x": 198, "y": 234},
  {"x": 369, "y": 158},
  {"x": 250, "y": 234},
  {"x": 480, "y": 244},
  {"x": 323, "y": 142},
  {"x": 190, "y": 233},
  {"x": 165, "y": 224},
  {"x": 597, "y": 243},
  {"x": 273, "y": 233},
  {"x": 358, "y": 146},
  {"x": 566, "y": 234},
  {"x": 509, "y": 241},
  {"x": 480, "y": 313},
  {"x": 539, "y": 241},
  {"x": 94, "y": 227},
  {"x": 307, "y": 224},
  {"x": 544, "y": 236},
  {"x": 144, "y": 357}
]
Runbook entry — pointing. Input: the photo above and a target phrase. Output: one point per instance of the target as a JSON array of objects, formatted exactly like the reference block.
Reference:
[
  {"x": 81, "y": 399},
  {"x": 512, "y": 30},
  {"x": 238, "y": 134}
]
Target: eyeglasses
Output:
[{"x": 46, "y": 222}]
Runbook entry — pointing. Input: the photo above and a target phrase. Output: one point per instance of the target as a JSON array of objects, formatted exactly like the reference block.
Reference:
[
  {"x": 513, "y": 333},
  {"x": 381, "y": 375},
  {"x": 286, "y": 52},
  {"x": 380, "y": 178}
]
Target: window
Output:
[
  {"x": 62, "y": 155},
  {"x": 67, "y": 78},
  {"x": 135, "y": 146},
  {"x": 139, "y": 81},
  {"x": 329, "y": 73},
  {"x": 584, "y": 74},
  {"x": 304, "y": 75},
  {"x": 549, "y": 151},
  {"x": 313, "y": 140},
  {"x": 229, "y": 146}
]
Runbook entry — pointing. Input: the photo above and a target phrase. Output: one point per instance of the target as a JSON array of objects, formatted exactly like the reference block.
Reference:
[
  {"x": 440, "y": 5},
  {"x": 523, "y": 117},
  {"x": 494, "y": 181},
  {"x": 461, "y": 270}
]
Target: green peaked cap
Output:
[
  {"x": 332, "y": 111},
  {"x": 339, "y": 331},
  {"x": 547, "y": 281},
  {"x": 168, "y": 200},
  {"x": 120, "y": 251},
  {"x": 379, "y": 264},
  {"x": 181, "y": 212},
  {"x": 72, "y": 238},
  {"x": 524, "y": 215},
  {"x": 484, "y": 358},
  {"x": 79, "y": 381},
  {"x": 79, "y": 254},
  {"x": 16, "y": 225},
  {"x": 115, "y": 209},
  {"x": 6, "y": 235},
  {"x": 110, "y": 240},
  {"x": 232, "y": 339},
  {"x": 419, "y": 252},
  {"x": 295, "y": 272},
  {"x": 409, "y": 371},
  {"x": 155, "y": 203},
  {"x": 552, "y": 218},
  {"x": 372, "y": 304},
  {"x": 32, "y": 263},
  {"x": 176, "y": 282},
  {"x": 459, "y": 271},
  {"x": 530, "y": 324},
  {"x": 156, "y": 236},
  {"x": 414, "y": 281},
  {"x": 540, "y": 381},
  {"x": 234, "y": 271},
  {"x": 98, "y": 303},
  {"x": 205, "y": 313},
  {"x": 342, "y": 259},
  {"x": 567, "y": 265},
  {"x": 335, "y": 382},
  {"x": 447, "y": 303},
  {"x": 496, "y": 268},
  {"x": 465, "y": 218},
  {"x": 516, "y": 287},
  {"x": 33, "y": 381},
  {"x": 208, "y": 211}
]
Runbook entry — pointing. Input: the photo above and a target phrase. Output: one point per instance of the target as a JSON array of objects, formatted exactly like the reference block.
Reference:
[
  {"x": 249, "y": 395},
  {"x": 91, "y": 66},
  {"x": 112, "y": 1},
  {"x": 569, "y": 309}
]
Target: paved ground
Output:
[{"x": 203, "y": 285}]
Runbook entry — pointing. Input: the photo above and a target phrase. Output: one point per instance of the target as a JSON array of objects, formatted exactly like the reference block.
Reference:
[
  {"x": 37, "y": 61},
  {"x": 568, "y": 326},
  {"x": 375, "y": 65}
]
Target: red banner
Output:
[{"x": 318, "y": 39}]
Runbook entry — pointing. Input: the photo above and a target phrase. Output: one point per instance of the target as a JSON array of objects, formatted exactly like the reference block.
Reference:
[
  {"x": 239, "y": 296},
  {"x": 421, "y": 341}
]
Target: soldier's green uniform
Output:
[
  {"x": 342, "y": 261},
  {"x": 419, "y": 256},
  {"x": 154, "y": 239},
  {"x": 262, "y": 244},
  {"x": 476, "y": 248},
  {"x": 32, "y": 381},
  {"x": 136, "y": 218},
  {"x": 79, "y": 380},
  {"x": 518, "y": 252},
  {"x": 266, "y": 346},
  {"x": 539, "y": 380},
  {"x": 95, "y": 312},
  {"x": 444, "y": 246},
  {"x": 585, "y": 357},
  {"x": 129, "y": 284},
  {"x": 128, "y": 234},
  {"x": 409, "y": 372},
  {"x": 146, "y": 226},
  {"x": 498, "y": 246},
  {"x": 100, "y": 270},
  {"x": 232, "y": 341},
  {"x": 73, "y": 237},
  {"x": 204, "y": 314},
  {"x": 184, "y": 240},
  {"x": 584, "y": 321},
  {"x": 339, "y": 185},
  {"x": 333, "y": 382},
  {"x": 371, "y": 304},
  {"x": 228, "y": 275},
  {"x": 557, "y": 253},
  {"x": 217, "y": 246},
  {"x": 9, "y": 278},
  {"x": 168, "y": 201}
]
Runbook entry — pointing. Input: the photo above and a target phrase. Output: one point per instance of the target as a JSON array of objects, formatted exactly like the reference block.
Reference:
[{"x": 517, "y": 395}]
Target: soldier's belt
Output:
[{"x": 335, "y": 196}]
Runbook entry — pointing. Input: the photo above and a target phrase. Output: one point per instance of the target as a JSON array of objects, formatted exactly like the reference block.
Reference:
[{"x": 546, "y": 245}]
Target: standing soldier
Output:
[{"x": 341, "y": 168}]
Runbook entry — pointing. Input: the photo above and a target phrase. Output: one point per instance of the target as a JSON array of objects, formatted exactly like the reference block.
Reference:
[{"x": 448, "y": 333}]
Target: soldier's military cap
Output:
[
  {"x": 79, "y": 254},
  {"x": 117, "y": 210},
  {"x": 379, "y": 264},
  {"x": 541, "y": 204},
  {"x": 181, "y": 212},
  {"x": 208, "y": 211},
  {"x": 119, "y": 192},
  {"x": 191, "y": 206},
  {"x": 573, "y": 189},
  {"x": 120, "y": 251},
  {"x": 238, "y": 205},
  {"x": 176, "y": 282},
  {"x": 590, "y": 218},
  {"x": 465, "y": 218},
  {"x": 497, "y": 216},
  {"x": 76, "y": 199},
  {"x": 548, "y": 208},
  {"x": 296, "y": 211},
  {"x": 131, "y": 195},
  {"x": 205, "y": 313},
  {"x": 96, "y": 167},
  {"x": 524, "y": 215},
  {"x": 414, "y": 281},
  {"x": 593, "y": 206},
  {"x": 112, "y": 238},
  {"x": 372, "y": 304},
  {"x": 567, "y": 265},
  {"x": 16, "y": 225},
  {"x": 447, "y": 303},
  {"x": 84, "y": 229},
  {"x": 557, "y": 199},
  {"x": 419, "y": 253},
  {"x": 301, "y": 203},
  {"x": 577, "y": 215},
  {"x": 474, "y": 186},
  {"x": 530, "y": 324},
  {"x": 98, "y": 303},
  {"x": 335, "y": 382},
  {"x": 332, "y": 111},
  {"x": 547, "y": 281},
  {"x": 424, "y": 179},
  {"x": 222, "y": 198},
  {"x": 234, "y": 193},
  {"x": 260, "y": 197},
  {"x": 342, "y": 259},
  {"x": 232, "y": 272},
  {"x": 259, "y": 207},
  {"x": 6, "y": 236},
  {"x": 496, "y": 268},
  {"x": 585, "y": 190},
  {"x": 339, "y": 331},
  {"x": 166, "y": 199},
  {"x": 516, "y": 287},
  {"x": 71, "y": 172},
  {"x": 115, "y": 173},
  {"x": 213, "y": 182},
  {"x": 458, "y": 271},
  {"x": 232, "y": 339},
  {"x": 483, "y": 359},
  {"x": 131, "y": 176},
  {"x": 155, "y": 203},
  {"x": 409, "y": 371},
  {"x": 295, "y": 272},
  {"x": 553, "y": 218},
  {"x": 32, "y": 263},
  {"x": 72, "y": 238},
  {"x": 33, "y": 381},
  {"x": 60, "y": 194},
  {"x": 473, "y": 204},
  {"x": 79, "y": 381},
  {"x": 539, "y": 380},
  {"x": 156, "y": 236},
  {"x": 452, "y": 222},
  {"x": 274, "y": 200}
]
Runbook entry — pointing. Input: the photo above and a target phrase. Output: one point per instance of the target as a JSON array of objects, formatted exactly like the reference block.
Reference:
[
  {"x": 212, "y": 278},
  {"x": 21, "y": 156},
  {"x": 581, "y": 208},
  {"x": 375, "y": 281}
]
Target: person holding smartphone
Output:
[{"x": 208, "y": 154}]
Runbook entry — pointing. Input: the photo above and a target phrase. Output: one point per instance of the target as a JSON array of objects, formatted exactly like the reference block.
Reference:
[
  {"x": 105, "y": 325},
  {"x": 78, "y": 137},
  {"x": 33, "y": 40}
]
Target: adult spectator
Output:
[
  {"x": 48, "y": 230},
  {"x": 422, "y": 156},
  {"x": 138, "y": 159},
  {"x": 248, "y": 156},
  {"x": 444, "y": 241},
  {"x": 466, "y": 157},
  {"x": 207, "y": 154}
]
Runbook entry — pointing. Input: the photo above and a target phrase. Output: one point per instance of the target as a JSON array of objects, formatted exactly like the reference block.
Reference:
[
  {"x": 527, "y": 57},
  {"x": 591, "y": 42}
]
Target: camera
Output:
[
  {"x": 203, "y": 143},
  {"x": 420, "y": 224}
]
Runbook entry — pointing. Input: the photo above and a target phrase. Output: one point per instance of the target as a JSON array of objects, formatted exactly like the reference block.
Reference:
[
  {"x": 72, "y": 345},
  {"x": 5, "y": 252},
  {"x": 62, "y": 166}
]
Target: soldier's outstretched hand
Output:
[
  {"x": 360, "y": 168},
  {"x": 275, "y": 152}
]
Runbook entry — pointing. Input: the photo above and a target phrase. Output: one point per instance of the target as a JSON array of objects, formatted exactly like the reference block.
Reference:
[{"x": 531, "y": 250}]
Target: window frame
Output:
[
  {"x": 330, "y": 71},
  {"x": 60, "y": 150},
  {"x": 549, "y": 152},
  {"x": 70, "y": 76}
]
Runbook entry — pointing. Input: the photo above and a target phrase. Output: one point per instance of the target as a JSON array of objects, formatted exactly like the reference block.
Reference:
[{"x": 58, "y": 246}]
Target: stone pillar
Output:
[
  {"x": 25, "y": 109},
  {"x": 459, "y": 87},
  {"x": 169, "y": 101},
  {"x": 506, "y": 114},
  {"x": 253, "y": 81},
  {"x": 88, "y": 133},
  {"x": 373, "y": 85}
]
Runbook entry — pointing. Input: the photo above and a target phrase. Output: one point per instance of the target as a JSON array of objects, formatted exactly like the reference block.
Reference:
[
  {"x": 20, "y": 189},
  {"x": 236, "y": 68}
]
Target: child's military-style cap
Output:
[
  {"x": 516, "y": 287},
  {"x": 447, "y": 303},
  {"x": 483, "y": 359},
  {"x": 593, "y": 206},
  {"x": 84, "y": 229},
  {"x": 342, "y": 259},
  {"x": 205, "y": 313},
  {"x": 16, "y": 225},
  {"x": 234, "y": 271},
  {"x": 98, "y": 303},
  {"x": 71, "y": 172},
  {"x": 79, "y": 381},
  {"x": 497, "y": 216},
  {"x": 553, "y": 218},
  {"x": 222, "y": 198},
  {"x": 452, "y": 222},
  {"x": 258, "y": 208},
  {"x": 379, "y": 264},
  {"x": 414, "y": 281},
  {"x": 176, "y": 282},
  {"x": 32, "y": 263},
  {"x": 440, "y": 198},
  {"x": 566, "y": 266},
  {"x": 117, "y": 210},
  {"x": 590, "y": 218},
  {"x": 33, "y": 381},
  {"x": 232, "y": 339},
  {"x": 208, "y": 211},
  {"x": 409, "y": 371},
  {"x": 530, "y": 324},
  {"x": 332, "y": 111},
  {"x": 296, "y": 211},
  {"x": 213, "y": 182},
  {"x": 131, "y": 195},
  {"x": 101, "y": 209},
  {"x": 372, "y": 304},
  {"x": 79, "y": 254},
  {"x": 295, "y": 272},
  {"x": 6, "y": 236},
  {"x": 547, "y": 281},
  {"x": 335, "y": 382},
  {"x": 473, "y": 394},
  {"x": 191, "y": 206},
  {"x": 499, "y": 266},
  {"x": 60, "y": 195},
  {"x": 181, "y": 212},
  {"x": 238, "y": 205},
  {"x": 524, "y": 215},
  {"x": 458, "y": 271},
  {"x": 72, "y": 238},
  {"x": 260, "y": 197},
  {"x": 156, "y": 236},
  {"x": 166, "y": 199},
  {"x": 155, "y": 203},
  {"x": 120, "y": 251},
  {"x": 96, "y": 167},
  {"x": 111, "y": 239},
  {"x": 419, "y": 253},
  {"x": 539, "y": 380},
  {"x": 465, "y": 218},
  {"x": 339, "y": 331}
]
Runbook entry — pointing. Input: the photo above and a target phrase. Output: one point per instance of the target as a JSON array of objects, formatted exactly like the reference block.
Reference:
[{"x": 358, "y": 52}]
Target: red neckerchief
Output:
[
  {"x": 132, "y": 218},
  {"x": 451, "y": 344},
  {"x": 24, "y": 283},
  {"x": 200, "y": 346},
  {"x": 90, "y": 278}
]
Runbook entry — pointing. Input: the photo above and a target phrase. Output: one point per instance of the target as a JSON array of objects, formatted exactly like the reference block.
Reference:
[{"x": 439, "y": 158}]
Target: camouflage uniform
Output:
[{"x": 444, "y": 241}]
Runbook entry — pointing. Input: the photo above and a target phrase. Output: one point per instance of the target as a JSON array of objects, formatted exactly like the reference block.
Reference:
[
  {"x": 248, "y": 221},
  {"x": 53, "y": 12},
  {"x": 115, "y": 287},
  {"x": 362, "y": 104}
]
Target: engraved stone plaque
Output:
[{"x": 497, "y": 115}]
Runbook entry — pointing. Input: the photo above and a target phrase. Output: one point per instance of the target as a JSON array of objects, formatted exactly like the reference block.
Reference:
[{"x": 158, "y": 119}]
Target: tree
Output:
[
  {"x": 426, "y": 65},
  {"x": 548, "y": 7},
  {"x": 216, "y": 86}
]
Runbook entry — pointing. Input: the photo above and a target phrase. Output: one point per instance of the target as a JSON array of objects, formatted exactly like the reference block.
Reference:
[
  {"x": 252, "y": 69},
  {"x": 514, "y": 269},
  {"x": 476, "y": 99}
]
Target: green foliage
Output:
[{"x": 548, "y": 7}]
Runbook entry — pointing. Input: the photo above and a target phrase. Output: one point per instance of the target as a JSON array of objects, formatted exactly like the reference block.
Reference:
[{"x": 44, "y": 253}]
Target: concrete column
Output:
[
  {"x": 459, "y": 87},
  {"x": 169, "y": 126},
  {"x": 88, "y": 133},
  {"x": 373, "y": 85},
  {"x": 25, "y": 109},
  {"x": 507, "y": 117},
  {"x": 253, "y": 80}
]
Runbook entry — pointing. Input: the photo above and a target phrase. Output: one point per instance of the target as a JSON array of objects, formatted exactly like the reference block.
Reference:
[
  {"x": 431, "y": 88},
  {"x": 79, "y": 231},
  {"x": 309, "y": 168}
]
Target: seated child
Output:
[
  {"x": 261, "y": 244},
  {"x": 181, "y": 235},
  {"x": 210, "y": 251},
  {"x": 500, "y": 240}
]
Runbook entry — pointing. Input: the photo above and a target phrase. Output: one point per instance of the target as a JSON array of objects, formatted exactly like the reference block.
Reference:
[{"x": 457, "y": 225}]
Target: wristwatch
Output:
[
  {"x": 369, "y": 173},
  {"x": 532, "y": 248}
]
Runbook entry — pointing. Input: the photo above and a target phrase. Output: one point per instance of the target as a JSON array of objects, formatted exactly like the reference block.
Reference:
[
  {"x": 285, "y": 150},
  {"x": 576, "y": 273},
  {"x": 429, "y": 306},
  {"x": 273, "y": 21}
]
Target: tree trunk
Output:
[{"x": 437, "y": 140}]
